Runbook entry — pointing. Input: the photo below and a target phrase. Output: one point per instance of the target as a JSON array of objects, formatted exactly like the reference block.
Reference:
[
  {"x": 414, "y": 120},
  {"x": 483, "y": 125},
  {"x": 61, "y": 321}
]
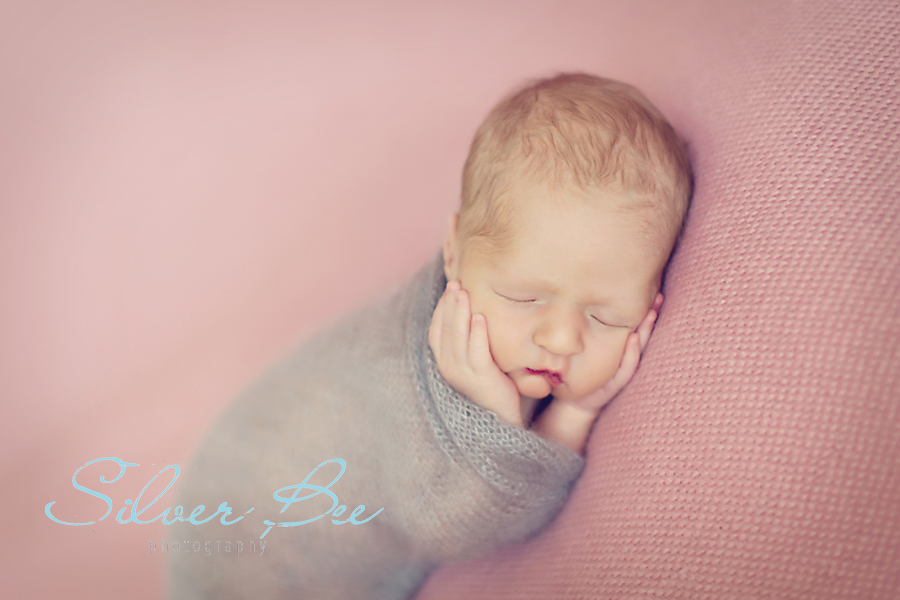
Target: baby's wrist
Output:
[
  {"x": 578, "y": 407},
  {"x": 567, "y": 423}
]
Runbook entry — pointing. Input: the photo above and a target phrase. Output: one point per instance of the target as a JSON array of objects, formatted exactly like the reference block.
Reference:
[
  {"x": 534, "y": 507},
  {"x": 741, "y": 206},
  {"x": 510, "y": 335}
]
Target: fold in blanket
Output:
[{"x": 452, "y": 479}]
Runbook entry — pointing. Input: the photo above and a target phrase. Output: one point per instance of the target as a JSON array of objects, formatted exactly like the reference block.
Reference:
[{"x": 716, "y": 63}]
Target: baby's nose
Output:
[{"x": 561, "y": 332}]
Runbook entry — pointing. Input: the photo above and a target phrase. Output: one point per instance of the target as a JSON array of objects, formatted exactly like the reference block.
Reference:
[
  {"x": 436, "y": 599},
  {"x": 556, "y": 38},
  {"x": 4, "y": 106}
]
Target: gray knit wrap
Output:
[{"x": 453, "y": 479}]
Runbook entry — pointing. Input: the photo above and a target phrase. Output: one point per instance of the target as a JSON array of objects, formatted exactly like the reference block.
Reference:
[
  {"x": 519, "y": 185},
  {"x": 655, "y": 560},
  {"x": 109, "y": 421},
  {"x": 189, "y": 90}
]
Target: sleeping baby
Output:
[{"x": 452, "y": 415}]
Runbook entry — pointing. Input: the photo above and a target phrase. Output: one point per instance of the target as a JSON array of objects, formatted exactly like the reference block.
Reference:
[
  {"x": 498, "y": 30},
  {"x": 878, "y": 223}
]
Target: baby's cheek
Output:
[
  {"x": 506, "y": 342},
  {"x": 605, "y": 359}
]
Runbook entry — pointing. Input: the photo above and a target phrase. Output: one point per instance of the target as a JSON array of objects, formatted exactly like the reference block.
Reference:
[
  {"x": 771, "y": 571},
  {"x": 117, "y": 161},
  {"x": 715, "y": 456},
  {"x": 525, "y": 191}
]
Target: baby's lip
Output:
[{"x": 554, "y": 377}]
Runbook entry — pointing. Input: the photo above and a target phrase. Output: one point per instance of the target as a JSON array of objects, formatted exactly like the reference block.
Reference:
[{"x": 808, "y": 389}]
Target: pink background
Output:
[{"x": 189, "y": 188}]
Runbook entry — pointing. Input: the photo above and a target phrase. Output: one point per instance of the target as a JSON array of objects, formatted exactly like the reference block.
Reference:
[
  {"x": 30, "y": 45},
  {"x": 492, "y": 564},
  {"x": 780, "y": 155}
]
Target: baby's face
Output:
[{"x": 561, "y": 299}]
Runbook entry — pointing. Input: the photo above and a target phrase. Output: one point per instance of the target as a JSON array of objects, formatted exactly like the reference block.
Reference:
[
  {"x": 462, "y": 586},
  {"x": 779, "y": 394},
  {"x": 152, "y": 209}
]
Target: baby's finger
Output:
[
  {"x": 629, "y": 364},
  {"x": 479, "y": 346},
  {"x": 461, "y": 321},
  {"x": 448, "y": 325},
  {"x": 646, "y": 328},
  {"x": 436, "y": 329}
]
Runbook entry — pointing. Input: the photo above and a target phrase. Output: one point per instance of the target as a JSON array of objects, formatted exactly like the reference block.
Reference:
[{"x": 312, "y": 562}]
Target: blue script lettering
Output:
[
  {"x": 136, "y": 513},
  {"x": 316, "y": 491},
  {"x": 122, "y": 466}
]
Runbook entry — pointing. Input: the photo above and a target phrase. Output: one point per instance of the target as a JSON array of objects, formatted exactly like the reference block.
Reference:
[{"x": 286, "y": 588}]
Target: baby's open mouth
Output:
[{"x": 554, "y": 377}]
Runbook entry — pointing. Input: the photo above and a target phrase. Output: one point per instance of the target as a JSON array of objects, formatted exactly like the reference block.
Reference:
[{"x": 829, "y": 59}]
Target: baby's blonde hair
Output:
[{"x": 575, "y": 131}]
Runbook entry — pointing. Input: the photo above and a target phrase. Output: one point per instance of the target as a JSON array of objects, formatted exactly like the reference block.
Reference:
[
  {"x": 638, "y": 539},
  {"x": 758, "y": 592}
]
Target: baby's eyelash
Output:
[
  {"x": 608, "y": 324},
  {"x": 531, "y": 300},
  {"x": 516, "y": 301}
]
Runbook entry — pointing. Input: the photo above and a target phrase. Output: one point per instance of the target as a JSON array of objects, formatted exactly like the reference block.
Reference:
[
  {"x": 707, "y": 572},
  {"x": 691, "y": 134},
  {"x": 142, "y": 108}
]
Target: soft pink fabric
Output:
[
  {"x": 757, "y": 452},
  {"x": 188, "y": 188}
]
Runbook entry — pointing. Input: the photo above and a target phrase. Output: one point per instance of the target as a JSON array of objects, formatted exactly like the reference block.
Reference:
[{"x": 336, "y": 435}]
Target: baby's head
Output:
[{"x": 573, "y": 195}]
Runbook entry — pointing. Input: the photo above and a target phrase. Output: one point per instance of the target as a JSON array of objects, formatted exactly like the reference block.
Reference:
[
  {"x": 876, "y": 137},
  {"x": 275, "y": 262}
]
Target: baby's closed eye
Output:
[
  {"x": 523, "y": 300},
  {"x": 608, "y": 324}
]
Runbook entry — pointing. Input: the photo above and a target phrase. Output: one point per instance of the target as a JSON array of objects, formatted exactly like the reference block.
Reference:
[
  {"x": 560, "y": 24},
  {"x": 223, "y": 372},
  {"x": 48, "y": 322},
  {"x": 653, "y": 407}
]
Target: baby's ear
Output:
[{"x": 450, "y": 248}]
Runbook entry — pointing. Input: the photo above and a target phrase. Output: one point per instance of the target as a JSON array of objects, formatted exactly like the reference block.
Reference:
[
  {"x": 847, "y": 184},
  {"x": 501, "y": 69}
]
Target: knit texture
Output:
[
  {"x": 756, "y": 454},
  {"x": 452, "y": 478}
]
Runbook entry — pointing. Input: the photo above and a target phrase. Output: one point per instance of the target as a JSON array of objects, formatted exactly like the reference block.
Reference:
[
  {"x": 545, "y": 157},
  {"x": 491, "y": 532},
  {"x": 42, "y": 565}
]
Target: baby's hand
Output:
[
  {"x": 634, "y": 347},
  {"x": 569, "y": 421},
  {"x": 459, "y": 341}
]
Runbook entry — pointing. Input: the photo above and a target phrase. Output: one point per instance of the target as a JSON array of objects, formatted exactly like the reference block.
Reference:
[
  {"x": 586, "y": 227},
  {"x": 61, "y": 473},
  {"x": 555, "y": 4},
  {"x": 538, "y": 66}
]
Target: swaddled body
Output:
[
  {"x": 573, "y": 195},
  {"x": 452, "y": 479}
]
